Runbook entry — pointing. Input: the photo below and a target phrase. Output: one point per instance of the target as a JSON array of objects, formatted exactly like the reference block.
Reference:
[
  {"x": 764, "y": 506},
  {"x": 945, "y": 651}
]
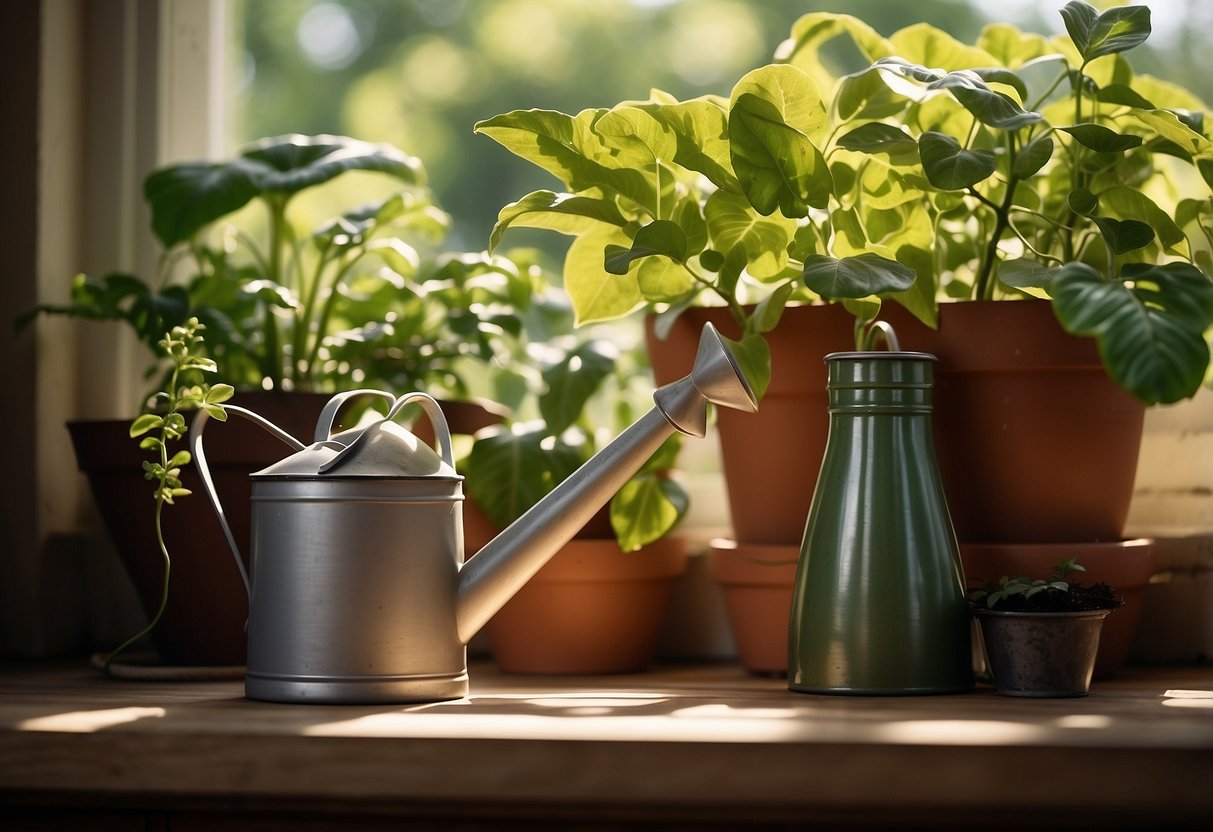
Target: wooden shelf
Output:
[{"x": 685, "y": 746}]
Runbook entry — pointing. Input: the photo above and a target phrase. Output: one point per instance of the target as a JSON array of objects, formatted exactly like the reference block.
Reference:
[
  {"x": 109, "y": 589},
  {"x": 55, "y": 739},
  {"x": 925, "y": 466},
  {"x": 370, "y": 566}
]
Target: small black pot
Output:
[{"x": 1041, "y": 653}]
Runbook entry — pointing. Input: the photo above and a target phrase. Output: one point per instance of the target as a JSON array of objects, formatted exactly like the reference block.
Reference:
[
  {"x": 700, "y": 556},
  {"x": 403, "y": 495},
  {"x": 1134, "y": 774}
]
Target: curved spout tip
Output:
[{"x": 718, "y": 376}]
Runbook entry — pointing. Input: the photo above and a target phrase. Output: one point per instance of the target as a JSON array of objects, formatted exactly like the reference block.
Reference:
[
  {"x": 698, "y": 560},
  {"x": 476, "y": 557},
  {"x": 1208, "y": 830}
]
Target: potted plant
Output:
[
  {"x": 1041, "y": 636},
  {"x": 597, "y": 606},
  {"x": 289, "y": 313}
]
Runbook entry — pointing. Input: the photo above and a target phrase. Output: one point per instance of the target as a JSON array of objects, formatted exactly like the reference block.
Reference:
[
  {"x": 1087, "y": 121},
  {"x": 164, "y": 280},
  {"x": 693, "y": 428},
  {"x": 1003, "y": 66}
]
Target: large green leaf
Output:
[
  {"x": 187, "y": 197},
  {"x": 1169, "y": 126},
  {"x": 660, "y": 237},
  {"x": 701, "y": 130},
  {"x": 647, "y": 508},
  {"x": 566, "y": 213},
  {"x": 877, "y": 137},
  {"x": 864, "y": 95},
  {"x": 989, "y": 106},
  {"x": 635, "y": 138},
  {"x": 516, "y": 469},
  {"x": 803, "y": 48},
  {"x": 566, "y": 147},
  {"x": 1149, "y": 326},
  {"x": 950, "y": 166},
  {"x": 1116, "y": 30},
  {"x": 793, "y": 94},
  {"x": 928, "y": 45},
  {"x": 778, "y": 167},
  {"x": 572, "y": 381},
  {"x": 733, "y": 224},
  {"x": 661, "y": 280},
  {"x": 596, "y": 294},
  {"x": 855, "y": 277}
]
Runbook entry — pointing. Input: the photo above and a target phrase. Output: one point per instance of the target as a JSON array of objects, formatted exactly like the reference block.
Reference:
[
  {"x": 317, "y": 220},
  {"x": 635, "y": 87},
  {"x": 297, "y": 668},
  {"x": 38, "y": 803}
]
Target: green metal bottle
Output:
[{"x": 879, "y": 605}]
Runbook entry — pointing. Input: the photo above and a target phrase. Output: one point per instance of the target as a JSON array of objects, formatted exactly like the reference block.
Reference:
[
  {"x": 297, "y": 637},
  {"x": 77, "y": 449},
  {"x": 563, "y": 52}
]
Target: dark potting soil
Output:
[{"x": 1080, "y": 598}]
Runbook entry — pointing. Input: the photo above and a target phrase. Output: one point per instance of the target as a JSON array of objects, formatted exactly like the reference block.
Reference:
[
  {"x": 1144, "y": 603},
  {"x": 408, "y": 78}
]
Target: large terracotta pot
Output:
[
  {"x": 1035, "y": 442},
  {"x": 1124, "y": 565},
  {"x": 591, "y": 609},
  {"x": 757, "y": 580},
  {"x": 203, "y": 623},
  {"x": 770, "y": 458}
]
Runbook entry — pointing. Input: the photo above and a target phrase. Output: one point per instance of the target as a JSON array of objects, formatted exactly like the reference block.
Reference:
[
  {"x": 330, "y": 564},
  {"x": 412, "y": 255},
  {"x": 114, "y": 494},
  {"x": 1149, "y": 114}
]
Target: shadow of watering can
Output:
[{"x": 359, "y": 592}]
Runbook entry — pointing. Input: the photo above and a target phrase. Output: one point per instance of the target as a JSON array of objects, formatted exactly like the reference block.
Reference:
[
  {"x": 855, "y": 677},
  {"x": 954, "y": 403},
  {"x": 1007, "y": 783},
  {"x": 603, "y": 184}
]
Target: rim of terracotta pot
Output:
[
  {"x": 753, "y": 564},
  {"x": 1125, "y": 564},
  {"x": 585, "y": 560}
]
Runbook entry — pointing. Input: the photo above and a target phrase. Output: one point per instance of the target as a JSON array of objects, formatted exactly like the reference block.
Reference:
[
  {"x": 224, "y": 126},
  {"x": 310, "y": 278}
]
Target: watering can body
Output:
[{"x": 358, "y": 592}]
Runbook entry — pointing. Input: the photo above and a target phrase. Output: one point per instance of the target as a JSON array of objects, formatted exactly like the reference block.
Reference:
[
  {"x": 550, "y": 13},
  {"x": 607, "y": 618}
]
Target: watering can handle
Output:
[
  {"x": 324, "y": 425},
  {"x": 204, "y": 472},
  {"x": 433, "y": 412}
]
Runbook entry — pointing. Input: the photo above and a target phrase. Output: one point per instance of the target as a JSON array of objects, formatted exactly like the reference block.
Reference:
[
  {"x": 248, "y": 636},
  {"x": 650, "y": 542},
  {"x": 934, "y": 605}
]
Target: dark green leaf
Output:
[
  {"x": 573, "y": 381},
  {"x": 513, "y": 471},
  {"x": 1003, "y": 76},
  {"x": 1123, "y": 236},
  {"x": 989, "y": 106},
  {"x": 1122, "y": 94},
  {"x": 877, "y": 137},
  {"x": 1082, "y": 201},
  {"x": 660, "y": 237},
  {"x": 1116, "y": 30},
  {"x": 1025, "y": 274},
  {"x": 855, "y": 277},
  {"x": 1101, "y": 139},
  {"x": 951, "y": 167},
  {"x": 1032, "y": 157},
  {"x": 1149, "y": 328},
  {"x": 906, "y": 69}
]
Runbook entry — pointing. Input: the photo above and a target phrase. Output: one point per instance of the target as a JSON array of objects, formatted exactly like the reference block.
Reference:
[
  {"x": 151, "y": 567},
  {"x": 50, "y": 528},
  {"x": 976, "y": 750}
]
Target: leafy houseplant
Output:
[
  {"x": 165, "y": 425},
  {"x": 1041, "y": 636}
]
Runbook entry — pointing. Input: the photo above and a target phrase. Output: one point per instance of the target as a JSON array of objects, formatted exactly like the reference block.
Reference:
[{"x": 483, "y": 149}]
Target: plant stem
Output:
[
  {"x": 984, "y": 287},
  {"x": 113, "y": 654},
  {"x": 326, "y": 312},
  {"x": 735, "y": 308},
  {"x": 272, "y": 366}
]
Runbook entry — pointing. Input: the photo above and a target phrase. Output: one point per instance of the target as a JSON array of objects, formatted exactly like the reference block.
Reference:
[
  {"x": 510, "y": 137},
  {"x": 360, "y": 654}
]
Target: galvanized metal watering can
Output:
[{"x": 358, "y": 591}]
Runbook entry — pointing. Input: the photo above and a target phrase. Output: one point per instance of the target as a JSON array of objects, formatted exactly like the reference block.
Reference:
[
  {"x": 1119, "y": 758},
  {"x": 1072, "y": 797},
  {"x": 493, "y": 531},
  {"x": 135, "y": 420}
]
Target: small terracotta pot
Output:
[
  {"x": 770, "y": 458},
  {"x": 757, "y": 581},
  {"x": 591, "y": 609},
  {"x": 1125, "y": 565},
  {"x": 1041, "y": 653}
]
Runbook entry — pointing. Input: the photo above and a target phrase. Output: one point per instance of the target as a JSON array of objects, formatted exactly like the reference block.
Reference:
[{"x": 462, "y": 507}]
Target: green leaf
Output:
[
  {"x": 1101, "y": 139},
  {"x": 778, "y": 167},
  {"x": 219, "y": 393},
  {"x": 1116, "y": 30},
  {"x": 572, "y": 381},
  {"x": 877, "y": 137},
  {"x": 596, "y": 294},
  {"x": 1127, "y": 203},
  {"x": 660, "y": 237},
  {"x": 661, "y": 280},
  {"x": 144, "y": 423},
  {"x": 646, "y": 509},
  {"x": 1149, "y": 326},
  {"x": 565, "y": 213},
  {"x": 753, "y": 356},
  {"x": 1169, "y": 126},
  {"x": 635, "y": 138},
  {"x": 865, "y": 95},
  {"x": 951, "y": 167},
  {"x": 1123, "y": 236},
  {"x": 1124, "y": 95},
  {"x": 792, "y": 93},
  {"x": 989, "y": 106},
  {"x": 769, "y": 310},
  {"x": 1032, "y": 157},
  {"x": 855, "y": 277},
  {"x": 700, "y": 128},
  {"x": 185, "y": 198},
  {"x": 1024, "y": 273},
  {"x": 1083, "y": 202},
  {"x": 733, "y": 223},
  {"x": 514, "y": 471}
]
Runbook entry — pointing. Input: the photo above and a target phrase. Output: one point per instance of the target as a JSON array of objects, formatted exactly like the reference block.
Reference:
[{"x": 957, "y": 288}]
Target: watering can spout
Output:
[{"x": 492, "y": 577}]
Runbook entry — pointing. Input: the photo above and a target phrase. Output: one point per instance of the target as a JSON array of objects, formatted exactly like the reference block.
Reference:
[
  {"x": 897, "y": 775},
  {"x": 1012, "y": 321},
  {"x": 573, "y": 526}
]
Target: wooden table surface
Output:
[{"x": 703, "y": 747}]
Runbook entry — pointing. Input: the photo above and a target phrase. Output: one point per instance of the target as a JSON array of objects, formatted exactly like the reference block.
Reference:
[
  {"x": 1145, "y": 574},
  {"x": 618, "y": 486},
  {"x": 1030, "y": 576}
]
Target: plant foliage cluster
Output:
[
  {"x": 1021, "y": 164},
  {"x": 1058, "y": 593}
]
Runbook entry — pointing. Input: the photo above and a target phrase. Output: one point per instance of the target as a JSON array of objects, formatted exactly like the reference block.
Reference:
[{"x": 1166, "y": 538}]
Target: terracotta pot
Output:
[
  {"x": 1035, "y": 442},
  {"x": 1125, "y": 565},
  {"x": 770, "y": 458},
  {"x": 203, "y": 623},
  {"x": 757, "y": 581},
  {"x": 591, "y": 609}
]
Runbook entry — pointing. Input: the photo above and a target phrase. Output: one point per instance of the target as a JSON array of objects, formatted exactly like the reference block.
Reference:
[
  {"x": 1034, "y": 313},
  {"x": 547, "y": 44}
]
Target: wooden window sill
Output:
[{"x": 705, "y": 746}]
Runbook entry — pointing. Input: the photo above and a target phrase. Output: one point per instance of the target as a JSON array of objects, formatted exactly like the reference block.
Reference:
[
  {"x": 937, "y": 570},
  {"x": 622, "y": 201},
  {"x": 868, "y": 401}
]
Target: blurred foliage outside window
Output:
[{"x": 420, "y": 73}]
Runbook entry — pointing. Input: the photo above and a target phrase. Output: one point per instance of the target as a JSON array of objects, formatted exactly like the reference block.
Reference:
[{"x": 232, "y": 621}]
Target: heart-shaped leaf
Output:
[
  {"x": 1116, "y": 30},
  {"x": 1032, "y": 157},
  {"x": 1149, "y": 326},
  {"x": 1123, "y": 236},
  {"x": 951, "y": 167},
  {"x": 855, "y": 277},
  {"x": 1101, "y": 139},
  {"x": 1083, "y": 202}
]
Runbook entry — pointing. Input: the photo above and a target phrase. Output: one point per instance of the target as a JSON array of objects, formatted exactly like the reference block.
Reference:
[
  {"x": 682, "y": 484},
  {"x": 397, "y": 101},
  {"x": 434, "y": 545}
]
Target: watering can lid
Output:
[{"x": 381, "y": 450}]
